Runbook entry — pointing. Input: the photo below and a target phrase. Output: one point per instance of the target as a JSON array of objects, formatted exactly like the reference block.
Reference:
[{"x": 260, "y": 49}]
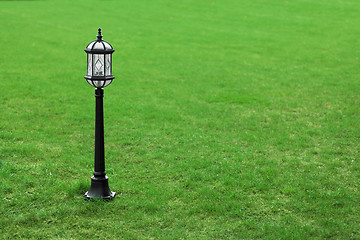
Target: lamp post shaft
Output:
[
  {"x": 99, "y": 169},
  {"x": 99, "y": 182}
]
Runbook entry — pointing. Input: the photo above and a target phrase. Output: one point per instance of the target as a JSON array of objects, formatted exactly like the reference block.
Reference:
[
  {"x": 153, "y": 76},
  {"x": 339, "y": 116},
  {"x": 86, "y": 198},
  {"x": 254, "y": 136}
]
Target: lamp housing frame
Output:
[{"x": 99, "y": 50}]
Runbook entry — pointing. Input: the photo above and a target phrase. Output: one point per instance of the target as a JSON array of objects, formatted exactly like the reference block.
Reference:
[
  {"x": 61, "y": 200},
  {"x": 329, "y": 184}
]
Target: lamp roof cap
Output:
[{"x": 99, "y": 45}]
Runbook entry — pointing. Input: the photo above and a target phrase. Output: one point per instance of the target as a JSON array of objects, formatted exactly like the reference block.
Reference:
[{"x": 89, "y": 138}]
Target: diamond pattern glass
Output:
[
  {"x": 98, "y": 62},
  {"x": 98, "y": 65}
]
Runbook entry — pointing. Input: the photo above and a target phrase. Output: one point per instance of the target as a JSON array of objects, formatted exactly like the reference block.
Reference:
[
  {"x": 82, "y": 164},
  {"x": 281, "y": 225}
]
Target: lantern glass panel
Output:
[
  {"x": 89, "y": 65},
  {"x": 98, "y": 45},
  {"x": 107, "y": 64},
  {"x": 107, "y": 45},
  {"x": 98, "y": 83},
  {"x": 89, "y": 81},
  {"x": 107, "y": 82},
  {"x": 98, "y": 64},
  {"x": 90, "y": 45}
]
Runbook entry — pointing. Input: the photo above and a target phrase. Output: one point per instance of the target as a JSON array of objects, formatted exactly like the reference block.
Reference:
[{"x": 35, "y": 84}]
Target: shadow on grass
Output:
[{"x": 78, "y": 188}]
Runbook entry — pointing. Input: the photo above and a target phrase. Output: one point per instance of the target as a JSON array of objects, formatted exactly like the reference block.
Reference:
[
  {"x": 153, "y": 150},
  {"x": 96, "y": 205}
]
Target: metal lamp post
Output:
[{"x": 99, "y": 75}]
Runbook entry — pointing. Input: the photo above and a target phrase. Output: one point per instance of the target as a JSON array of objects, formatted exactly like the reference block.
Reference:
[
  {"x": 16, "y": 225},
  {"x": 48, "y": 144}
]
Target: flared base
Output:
[{"x": 99, "y": 189}]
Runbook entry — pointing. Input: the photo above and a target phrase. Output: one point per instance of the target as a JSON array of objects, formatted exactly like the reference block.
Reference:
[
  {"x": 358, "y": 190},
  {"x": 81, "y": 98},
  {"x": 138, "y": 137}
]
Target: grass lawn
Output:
[{"x": 227, "y": 119}]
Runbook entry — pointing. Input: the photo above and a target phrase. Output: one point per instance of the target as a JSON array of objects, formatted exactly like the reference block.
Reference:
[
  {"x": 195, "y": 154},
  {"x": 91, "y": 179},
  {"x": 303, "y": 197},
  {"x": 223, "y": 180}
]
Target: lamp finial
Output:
[{"x": 99, "y": 36}]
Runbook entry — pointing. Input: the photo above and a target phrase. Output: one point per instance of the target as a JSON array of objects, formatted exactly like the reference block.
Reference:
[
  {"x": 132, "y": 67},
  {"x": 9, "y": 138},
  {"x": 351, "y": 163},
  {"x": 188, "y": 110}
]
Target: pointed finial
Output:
[{"x": 99, "y": 36}]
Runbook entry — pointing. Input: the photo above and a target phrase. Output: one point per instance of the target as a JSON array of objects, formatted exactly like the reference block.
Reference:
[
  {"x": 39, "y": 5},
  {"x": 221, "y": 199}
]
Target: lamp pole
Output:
[
  {"x": 99, "y": 75},
  {"x": 99, "y": 169}
]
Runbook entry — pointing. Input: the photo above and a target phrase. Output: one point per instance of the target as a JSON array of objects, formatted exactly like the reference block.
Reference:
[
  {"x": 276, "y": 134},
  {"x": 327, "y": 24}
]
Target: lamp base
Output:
[{"x": 99, "y": 189}]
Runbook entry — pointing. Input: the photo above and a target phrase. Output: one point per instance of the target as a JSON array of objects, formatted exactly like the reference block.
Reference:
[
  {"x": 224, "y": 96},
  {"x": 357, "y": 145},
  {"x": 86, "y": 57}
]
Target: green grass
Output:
[{"x": 226, "y": 120}]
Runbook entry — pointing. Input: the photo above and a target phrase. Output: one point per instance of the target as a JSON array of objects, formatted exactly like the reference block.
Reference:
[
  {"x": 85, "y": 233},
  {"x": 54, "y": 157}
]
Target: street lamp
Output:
[{"x": 99, "y": 75}]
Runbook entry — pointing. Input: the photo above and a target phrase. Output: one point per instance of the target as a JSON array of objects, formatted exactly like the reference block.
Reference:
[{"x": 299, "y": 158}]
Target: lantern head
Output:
[{"x": 99, "y": 62}]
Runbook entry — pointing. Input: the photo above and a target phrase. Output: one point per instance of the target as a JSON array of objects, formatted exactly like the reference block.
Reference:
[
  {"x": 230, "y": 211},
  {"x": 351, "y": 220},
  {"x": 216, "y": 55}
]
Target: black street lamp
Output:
[{"x": 99, "y": 76}]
